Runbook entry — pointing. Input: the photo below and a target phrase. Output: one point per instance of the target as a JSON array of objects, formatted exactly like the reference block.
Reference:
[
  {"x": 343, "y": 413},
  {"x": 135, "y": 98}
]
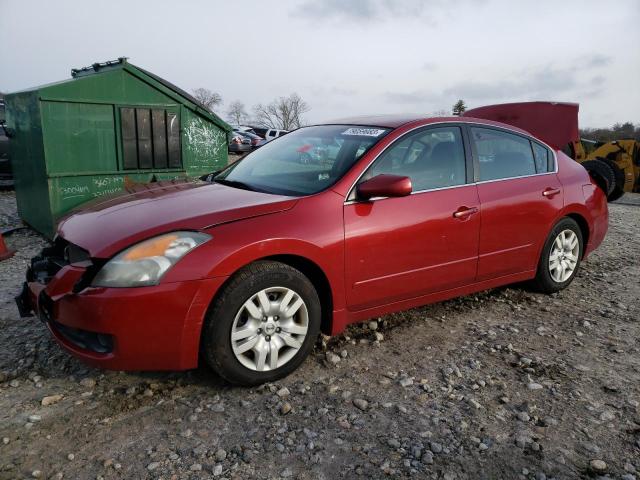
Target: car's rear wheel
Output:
[
  {"x": 262, "y": 325},
  {"x": 560, "y": 258}
]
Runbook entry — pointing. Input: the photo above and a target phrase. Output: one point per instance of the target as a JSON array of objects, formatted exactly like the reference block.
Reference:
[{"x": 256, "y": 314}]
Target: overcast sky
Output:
[{"x": 346, "y": 57}]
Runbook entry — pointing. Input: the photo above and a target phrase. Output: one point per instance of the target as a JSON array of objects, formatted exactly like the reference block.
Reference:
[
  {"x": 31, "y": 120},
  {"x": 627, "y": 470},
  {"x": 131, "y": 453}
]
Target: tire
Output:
[
  {"x": 546, "y": 280},
  {"x": 229, "y": 313},
  {"x": 618, "y": 174},
  {"x": 602, "y": 173}
]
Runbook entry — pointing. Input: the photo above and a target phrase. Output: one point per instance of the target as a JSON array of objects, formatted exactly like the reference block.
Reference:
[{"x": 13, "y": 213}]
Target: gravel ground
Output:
[{"x": 502, "y": 384}]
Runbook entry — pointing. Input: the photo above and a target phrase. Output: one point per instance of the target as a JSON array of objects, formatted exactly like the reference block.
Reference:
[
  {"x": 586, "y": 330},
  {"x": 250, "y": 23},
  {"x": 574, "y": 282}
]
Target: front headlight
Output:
[{"x": 146, "y": 262}]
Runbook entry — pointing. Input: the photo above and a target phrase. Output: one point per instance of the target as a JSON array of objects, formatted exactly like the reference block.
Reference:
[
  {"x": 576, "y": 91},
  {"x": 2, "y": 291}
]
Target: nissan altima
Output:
[{"x": 244, "y": 270}]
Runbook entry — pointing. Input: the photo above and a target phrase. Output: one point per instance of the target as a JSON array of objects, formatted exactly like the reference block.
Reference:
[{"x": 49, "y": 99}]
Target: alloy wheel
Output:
[
  {"x": 563, "y": 258},
  {"x": 269, "y": 329}
]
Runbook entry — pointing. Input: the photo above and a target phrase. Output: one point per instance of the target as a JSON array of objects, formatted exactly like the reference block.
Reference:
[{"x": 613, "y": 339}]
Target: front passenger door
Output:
[{"x": 405, "y": 247}]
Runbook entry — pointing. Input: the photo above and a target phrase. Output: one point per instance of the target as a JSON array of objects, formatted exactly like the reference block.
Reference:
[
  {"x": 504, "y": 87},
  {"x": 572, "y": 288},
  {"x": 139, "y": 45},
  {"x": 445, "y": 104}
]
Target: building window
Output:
[{"x": 150, "y": 138}]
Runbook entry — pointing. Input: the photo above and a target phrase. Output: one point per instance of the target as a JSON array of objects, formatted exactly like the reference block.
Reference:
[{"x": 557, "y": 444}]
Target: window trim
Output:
[{"x": 470, "y": 158}]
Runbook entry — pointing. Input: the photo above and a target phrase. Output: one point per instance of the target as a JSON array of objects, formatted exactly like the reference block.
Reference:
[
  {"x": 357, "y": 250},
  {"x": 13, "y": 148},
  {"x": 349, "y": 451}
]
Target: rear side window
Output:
[
  {"x": 543, "y": 158},
  {"x": 502, "y": 154}
]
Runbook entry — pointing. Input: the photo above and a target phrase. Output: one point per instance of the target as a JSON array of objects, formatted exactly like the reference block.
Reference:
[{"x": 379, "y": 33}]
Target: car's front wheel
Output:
[
  {"x": 262, "y": 325},
  {"x": 560, "y": 257}
]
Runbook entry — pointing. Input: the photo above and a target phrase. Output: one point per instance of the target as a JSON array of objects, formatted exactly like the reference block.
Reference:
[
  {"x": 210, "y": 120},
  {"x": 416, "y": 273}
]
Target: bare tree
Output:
[
  {"x": 283, "y": 113},
  {"x": 237, "y": 113},
  {"x": 210, "y": 100}
]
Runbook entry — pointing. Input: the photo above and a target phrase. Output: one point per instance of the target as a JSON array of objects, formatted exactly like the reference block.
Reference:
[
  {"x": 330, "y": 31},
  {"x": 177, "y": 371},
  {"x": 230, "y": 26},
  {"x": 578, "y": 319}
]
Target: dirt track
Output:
[{"x": 504, "y": 384}]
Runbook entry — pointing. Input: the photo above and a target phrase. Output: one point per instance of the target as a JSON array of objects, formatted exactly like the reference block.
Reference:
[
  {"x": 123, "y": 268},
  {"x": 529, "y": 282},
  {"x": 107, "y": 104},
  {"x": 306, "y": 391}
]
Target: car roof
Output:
[{"x": 398, "y": 120}]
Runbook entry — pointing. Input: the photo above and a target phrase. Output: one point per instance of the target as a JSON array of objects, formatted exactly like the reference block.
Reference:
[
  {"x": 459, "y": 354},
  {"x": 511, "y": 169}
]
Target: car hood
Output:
[{"x": 107, "y": 226}]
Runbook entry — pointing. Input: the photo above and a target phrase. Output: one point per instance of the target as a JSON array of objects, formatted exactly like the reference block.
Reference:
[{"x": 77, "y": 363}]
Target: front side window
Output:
[
  {"x": 502, "y": 154},
  {"x": 431, "y": 158},
  {"x": 302, "y": 162}
]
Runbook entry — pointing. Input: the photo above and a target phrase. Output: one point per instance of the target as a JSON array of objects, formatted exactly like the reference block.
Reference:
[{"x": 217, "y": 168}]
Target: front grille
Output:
[{"x": 51, "y": 259}]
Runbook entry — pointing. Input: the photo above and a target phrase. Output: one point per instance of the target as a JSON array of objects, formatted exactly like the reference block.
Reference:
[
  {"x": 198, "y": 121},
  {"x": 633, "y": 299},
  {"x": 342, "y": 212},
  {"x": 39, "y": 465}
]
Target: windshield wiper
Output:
[{"x": 236, "y": 184}]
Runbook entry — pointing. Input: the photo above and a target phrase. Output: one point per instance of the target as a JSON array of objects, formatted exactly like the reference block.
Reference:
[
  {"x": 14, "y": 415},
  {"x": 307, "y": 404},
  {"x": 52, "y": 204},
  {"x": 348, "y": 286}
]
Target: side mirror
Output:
[{"x": 384, "y": 186}]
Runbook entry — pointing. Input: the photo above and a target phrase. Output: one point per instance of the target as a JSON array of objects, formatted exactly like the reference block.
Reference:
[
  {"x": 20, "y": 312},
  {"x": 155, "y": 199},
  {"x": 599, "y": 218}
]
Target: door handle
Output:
[
  {"x": 550, "y": 192},
  {"x": 465, "y": 212}
]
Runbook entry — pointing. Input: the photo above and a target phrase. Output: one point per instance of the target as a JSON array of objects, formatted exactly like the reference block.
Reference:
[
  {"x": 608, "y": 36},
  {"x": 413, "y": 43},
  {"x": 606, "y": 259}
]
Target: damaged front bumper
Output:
[{"x": 143, "y": 328}]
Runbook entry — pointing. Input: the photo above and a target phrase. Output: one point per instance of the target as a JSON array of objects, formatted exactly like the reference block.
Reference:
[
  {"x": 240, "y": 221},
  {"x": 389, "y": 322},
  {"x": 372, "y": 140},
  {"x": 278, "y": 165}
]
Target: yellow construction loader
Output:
[{"x": 622, "y": 157}]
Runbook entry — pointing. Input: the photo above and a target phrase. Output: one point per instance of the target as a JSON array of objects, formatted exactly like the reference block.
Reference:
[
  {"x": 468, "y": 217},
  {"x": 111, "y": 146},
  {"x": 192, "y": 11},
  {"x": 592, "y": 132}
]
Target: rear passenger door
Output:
[{"x": 520, "y": 196}]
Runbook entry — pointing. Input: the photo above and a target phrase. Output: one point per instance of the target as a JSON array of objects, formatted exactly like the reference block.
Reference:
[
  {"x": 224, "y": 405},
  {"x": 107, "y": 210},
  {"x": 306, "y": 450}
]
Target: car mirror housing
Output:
[{"x": 384, "y": 186}]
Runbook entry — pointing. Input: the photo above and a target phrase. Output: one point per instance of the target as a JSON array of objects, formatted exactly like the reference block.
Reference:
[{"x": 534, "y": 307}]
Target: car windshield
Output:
[{"x": 302, "y": 162}]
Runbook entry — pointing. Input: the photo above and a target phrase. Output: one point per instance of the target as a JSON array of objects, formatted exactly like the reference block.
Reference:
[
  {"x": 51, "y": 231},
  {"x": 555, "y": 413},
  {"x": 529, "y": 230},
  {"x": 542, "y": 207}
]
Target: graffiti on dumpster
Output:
[
  {"x": 91, "y": 187},
  {"x": 204, "y": 141}
]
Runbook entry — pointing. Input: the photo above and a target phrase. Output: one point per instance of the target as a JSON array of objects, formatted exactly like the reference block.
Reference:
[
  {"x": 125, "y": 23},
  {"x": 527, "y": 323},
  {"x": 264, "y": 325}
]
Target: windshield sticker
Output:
[{"x": 367, "y": 132}]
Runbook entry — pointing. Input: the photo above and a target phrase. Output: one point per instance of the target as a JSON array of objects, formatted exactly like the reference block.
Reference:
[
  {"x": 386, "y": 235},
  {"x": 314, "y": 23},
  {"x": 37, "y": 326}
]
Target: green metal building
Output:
[{"x": 112, "y": 123}]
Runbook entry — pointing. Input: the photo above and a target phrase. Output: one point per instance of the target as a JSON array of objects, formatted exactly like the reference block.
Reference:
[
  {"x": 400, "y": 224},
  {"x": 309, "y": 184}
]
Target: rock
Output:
[
  {"x": 196, "y": 467},
  {"x": 598, "y": 466},
  {"x": 221, "y": 455},
  {"x": 332, "y": 358},
  {"x": 427, "y": 458},
  {"x": 406, "y": 382},
  {"x": 283, "y": 392},
  {"x": 5, "y": 440},
  {"x": 373, "y": 325},
  {"x": 88, "y": 382},
  {"x": 50, "y": 400},
  {"x": 152, "y": 466},
  {"x": 34, "y": 418},
  {"x": 393, "y": 443},
  {"x": 435, "y": 447},
  {"x": 534, "y": 386},
  {"x": 286, "y": 473},
  {"x": 475, "y": 404},
  {"x": 71, "y": 456},
  {"x": 361, "y": 403},
  {"x": 607, "y": 416},
  {"x": 379, "y": 336},
  {"x": 36, "y": 474},
  {"x": 628, "y": 476},
  {"x": 285, "y": 408},
  {"x": 217, "y": 470},
  {"x": 523, "y": 416}
]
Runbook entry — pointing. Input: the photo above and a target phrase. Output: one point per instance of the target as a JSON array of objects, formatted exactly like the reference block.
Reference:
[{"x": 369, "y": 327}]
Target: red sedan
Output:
[{"x": 246, "y": 269}]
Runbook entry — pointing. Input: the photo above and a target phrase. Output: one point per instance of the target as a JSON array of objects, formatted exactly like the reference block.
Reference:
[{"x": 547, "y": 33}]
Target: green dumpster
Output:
[{"x": 111, "y": 124}]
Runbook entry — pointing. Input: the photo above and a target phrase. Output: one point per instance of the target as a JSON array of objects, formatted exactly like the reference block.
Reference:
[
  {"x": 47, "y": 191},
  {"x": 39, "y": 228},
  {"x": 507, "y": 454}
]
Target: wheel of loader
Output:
[
  {"x": 602, "y": 173},
  {"x": 618, "y": 174}
]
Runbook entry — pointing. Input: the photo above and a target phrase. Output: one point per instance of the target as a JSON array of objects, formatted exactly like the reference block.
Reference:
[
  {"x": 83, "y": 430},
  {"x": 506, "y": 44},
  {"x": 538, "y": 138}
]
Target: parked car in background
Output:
[
  {"x": 243, "y": 129},
  {"x": 256, "y": 140},
  {"x": 274, "y": 133},
  {"x": 260, "y": 131},
  {"x": 239, "y": 143},
  {"x": 6, "y": 176},
  {"x": 243, "y": 272}
]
